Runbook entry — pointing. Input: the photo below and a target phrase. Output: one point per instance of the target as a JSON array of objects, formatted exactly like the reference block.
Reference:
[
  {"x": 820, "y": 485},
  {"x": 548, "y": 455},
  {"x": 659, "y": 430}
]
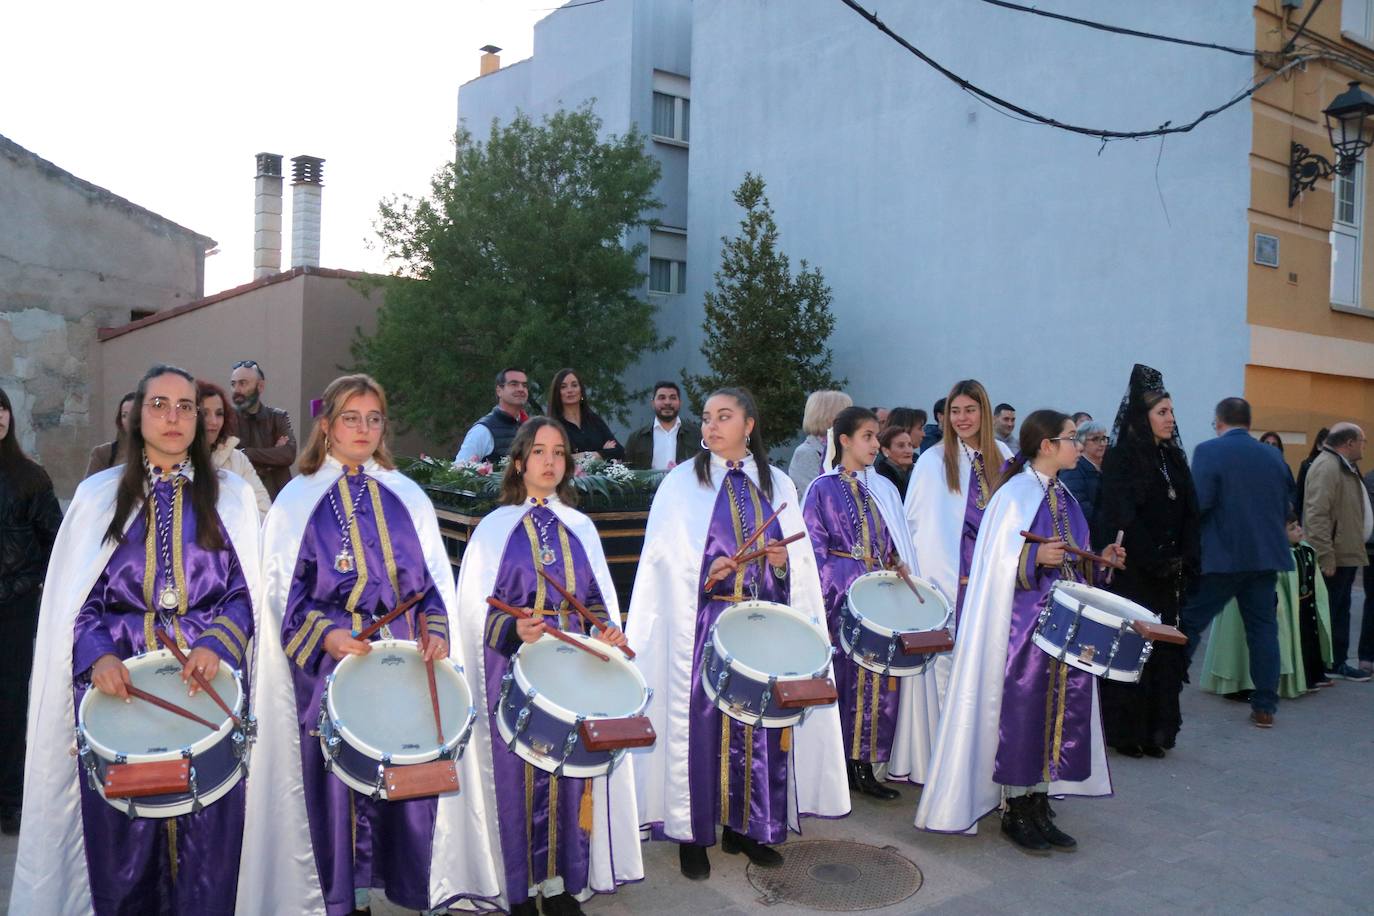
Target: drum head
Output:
[
  {"x": 142, "y": 728},
  {"x": 382, "y": 698},
  {"x": 772, "y": 639},
  {"x": 1107, "y": 605},
  {"x": 885, "y": 599},
  {"x": 581, "y": 683}
]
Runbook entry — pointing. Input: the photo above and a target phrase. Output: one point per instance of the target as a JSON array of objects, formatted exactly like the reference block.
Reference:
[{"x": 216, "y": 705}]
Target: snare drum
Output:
[
  {"x": 111, "y": 731},
  {"x": 1091, "y": 629},
  {"x": 376, "y": 713},
  {"x": 552, "y": 688},
  {"x": 878, "y": 609},
  {"x": 754, "y": 646}
]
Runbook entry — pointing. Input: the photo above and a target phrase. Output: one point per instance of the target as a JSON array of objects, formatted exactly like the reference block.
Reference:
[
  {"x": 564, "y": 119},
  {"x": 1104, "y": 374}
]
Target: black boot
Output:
[
  {"x": 850, "y": 768},
  {"x": 694, "y": 862},
  {"x": 525, "y": 907},
  {"x": 563, "y": 904},
  {"x": 868, "y": 784},
  {"x": 1040, "y": 817},
  {"x": 1018, "y": 826},
  {"x": 732, "y": 841}
]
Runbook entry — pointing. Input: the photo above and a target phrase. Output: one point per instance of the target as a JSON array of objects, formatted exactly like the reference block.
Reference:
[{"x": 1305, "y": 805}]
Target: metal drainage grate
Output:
[{"x": 837, "y": 876}]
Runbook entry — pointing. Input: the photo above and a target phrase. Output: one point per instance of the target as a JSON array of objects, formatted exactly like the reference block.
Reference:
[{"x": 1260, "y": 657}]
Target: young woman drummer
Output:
[
  {"x": 160, "y": 542},
  {"x": 345, "y": 543},
  {"x": 707, "y": 769},
  {"x": 560, "y": 837},
  {"x": 1019, "y": 723},
  {"x": 854, "y": 518}
]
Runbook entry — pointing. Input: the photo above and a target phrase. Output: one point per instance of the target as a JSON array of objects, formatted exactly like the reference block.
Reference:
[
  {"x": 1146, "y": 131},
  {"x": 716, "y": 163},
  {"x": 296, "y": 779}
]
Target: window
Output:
[
  {"x": 1357, "y": 17},
  {"x": 1346, "y": 231},
  {"x": 672, "y": 107},
  {"x": 667, "y": 261}
]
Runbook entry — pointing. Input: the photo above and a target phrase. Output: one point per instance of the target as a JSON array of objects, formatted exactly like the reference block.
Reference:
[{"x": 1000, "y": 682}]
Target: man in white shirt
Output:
[
  {"x": 670, "y": 439},
  {"x": 491, "y": 436}
]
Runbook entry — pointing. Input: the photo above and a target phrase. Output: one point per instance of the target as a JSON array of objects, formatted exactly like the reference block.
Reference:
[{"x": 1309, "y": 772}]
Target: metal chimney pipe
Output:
[
  {"x": 267, "y": 216},
  {"x": 307, "y": 184}
]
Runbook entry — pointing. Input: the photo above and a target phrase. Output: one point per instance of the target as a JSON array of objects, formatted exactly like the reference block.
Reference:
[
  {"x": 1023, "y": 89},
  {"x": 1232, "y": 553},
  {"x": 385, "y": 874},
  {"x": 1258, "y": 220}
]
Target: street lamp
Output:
[{"x": 1346, "y": 118}]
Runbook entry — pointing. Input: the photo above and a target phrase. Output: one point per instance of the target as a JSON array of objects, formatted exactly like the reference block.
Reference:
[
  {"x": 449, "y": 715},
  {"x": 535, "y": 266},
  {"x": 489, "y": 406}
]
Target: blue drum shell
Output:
[
  {"x": 1091, "y": 646},
  {"x": 871, "y": 648},
  {"x": 545, "y": 735},
  {"x": 743, "y": 695},
  {"x": 215, "y": 767}
]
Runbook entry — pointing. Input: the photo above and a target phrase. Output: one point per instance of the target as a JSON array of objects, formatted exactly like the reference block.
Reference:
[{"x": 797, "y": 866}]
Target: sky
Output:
[{"x": 166, "y": 103}]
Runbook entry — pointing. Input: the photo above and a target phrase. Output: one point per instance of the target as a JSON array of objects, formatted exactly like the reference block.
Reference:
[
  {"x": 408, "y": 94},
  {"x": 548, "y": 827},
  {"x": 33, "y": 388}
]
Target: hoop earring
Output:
[
  {"x": 704, "y": 446},
  {"x": 747, "y": 439}
]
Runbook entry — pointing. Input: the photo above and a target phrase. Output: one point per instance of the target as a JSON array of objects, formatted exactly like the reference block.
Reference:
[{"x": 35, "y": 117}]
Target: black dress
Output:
[
  {"x": 592, "y": 435},
  {"x": 1163, "y": 558}
]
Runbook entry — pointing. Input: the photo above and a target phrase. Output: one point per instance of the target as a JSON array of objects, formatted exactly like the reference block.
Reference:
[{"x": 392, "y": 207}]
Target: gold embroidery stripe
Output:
[
  {"x": 179, "y": 637},
  {"x": 315, "y": 633},
  {"x": 1059, "y": 718},
  {"x": 759, "y": 515},
  {"x": 150, "y": 562},
  {"x": 178, "y": 521},
  {"x": 533, "y": 536},
  {"x": 172, "y": 847},
  {"x": 737, "y": 525},
  {"x": 873, "y": 718},
  {"x": 748, "y": 772},
  {"x": 553, "y": 828},
  {"x": 569, "y": 573},
  {"x": 529, "y": 823},
  {"x": 1049, "y": 720},
  {"x": 231, "y": 627},
  {"x": 359, "y": 555},
  {"x": 305, "y": 626},
  {"x": 1022, "y": 575},
  {"x": 724, "y": 768},
  {"x": 384, "y": 535},
  {"x": 223, "y": 637},
  {"x": 858, "y": 711},
  {"x": 865, "y": 536}
]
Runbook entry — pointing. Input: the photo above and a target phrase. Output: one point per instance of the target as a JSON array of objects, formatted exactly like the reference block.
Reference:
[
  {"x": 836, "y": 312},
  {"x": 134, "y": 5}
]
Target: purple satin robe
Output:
[
  {"x": 542, "y": 834},
  {"x": 358, "y": 843},
  {"x": 747, "y": 790},
  {"x": 186, "y": 864},
  {"x": 867, "y": 701},
  {"x": 973, "y": 520},
  {"x": 1045, "y": 729}
]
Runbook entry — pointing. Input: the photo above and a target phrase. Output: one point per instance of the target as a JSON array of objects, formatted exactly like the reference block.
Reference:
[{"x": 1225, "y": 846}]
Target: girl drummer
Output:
[
  {"x": 707, "y": 768},
  {"x": 1019, "y": 723},
  {"x": 347, "y": 541},
  {"x": 559, "y": 837},
  {"x": 856, "y": 525},
  {"x": 161, "y": 542}
]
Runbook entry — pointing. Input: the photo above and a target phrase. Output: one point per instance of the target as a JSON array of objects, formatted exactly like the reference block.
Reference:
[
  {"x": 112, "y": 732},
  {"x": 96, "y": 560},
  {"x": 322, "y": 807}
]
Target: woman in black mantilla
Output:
[{"x": 1147, "y": 493}]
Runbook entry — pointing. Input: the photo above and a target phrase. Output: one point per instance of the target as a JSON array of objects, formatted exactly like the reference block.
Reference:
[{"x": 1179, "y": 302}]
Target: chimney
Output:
[
  {"x": 307, "y": 184},
  {"x": 267, "y": 216},
  {"x": 491, "y": 62}
]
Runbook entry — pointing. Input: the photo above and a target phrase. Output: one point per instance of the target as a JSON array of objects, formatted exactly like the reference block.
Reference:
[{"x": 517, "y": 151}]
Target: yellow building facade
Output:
[{"x": 1310, "y": 293}]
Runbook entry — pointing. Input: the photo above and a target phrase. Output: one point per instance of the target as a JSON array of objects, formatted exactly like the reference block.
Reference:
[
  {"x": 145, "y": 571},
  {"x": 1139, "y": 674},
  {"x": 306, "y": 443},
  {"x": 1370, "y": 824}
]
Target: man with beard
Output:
[
  {"x": 265, "y": 434},
  {"x": 669, "y": 440}
]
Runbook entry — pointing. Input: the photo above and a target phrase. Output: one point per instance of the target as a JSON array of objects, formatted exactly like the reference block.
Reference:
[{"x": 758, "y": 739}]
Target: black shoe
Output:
[
  {"x": 1040, "y": 816},
  {"x": 1152, "y": 750},
  {"x": 862, "y": 774},
  {"x": 732, "y": 841},
  {"x": 1018, "y": 827},
  {"x": 850, "y": 768},
  {"x": 1129, "y": 750},
  {"x": 9, "y": 822},
  {"x": 525, "y": 907},
  {"x": 563, "y": 904},
  {"x": 694, "y": 862}
]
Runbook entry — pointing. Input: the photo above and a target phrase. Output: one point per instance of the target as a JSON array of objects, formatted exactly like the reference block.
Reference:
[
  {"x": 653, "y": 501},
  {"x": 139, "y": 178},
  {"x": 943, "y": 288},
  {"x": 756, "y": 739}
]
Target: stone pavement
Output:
[{"x": 1236, "y": 819}]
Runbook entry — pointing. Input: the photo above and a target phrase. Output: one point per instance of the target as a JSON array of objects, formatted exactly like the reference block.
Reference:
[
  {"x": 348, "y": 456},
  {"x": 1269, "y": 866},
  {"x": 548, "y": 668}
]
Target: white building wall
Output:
[{"x": 961, "y": 243}]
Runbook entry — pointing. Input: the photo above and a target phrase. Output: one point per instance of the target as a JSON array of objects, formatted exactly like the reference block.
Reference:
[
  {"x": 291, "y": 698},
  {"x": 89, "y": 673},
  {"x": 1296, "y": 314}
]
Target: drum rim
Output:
[
  {"x": 195, "y": 749},
  {"x": 182, "y": 805},
  {"x": 574, "y": 770},
  {"x": 895, "y": 670},
  {"x": 883, "y": 629},
  {"x": 723, "y": 653},
  {"x": 1095, "y": 614},
  {"x": 365, "y": 748},
  {"x": 558, "y": 710},
  {"x": 768, "y": 721}
]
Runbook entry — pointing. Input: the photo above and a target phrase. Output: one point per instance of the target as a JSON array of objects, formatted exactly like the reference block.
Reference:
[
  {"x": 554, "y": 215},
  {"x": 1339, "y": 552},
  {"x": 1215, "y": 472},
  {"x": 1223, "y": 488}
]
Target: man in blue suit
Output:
[{"x": 1243, "y": 491}]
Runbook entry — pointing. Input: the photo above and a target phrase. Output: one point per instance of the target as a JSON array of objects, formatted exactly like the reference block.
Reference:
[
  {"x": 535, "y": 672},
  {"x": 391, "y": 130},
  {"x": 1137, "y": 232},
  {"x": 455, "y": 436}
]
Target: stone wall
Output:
[{"x": 74, "y": 258}]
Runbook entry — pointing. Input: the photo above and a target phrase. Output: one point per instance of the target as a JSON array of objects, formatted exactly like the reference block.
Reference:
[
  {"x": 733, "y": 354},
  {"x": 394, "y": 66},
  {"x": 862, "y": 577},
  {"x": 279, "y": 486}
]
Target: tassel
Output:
[
  {"x": 785, "y": 741},
  {"x": 584, "y": 810}
]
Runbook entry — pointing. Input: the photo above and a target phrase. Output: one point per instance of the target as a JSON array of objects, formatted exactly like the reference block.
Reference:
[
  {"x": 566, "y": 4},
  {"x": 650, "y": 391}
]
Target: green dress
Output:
[{"x": 1227, "y": 665}]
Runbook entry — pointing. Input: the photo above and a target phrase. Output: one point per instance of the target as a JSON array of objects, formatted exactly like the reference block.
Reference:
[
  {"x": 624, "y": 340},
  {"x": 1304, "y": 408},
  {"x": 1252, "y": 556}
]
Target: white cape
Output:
[
  {"x": 918, "y": 717},
  {"x": 961, "y": 789},
  {"x": 614, "y": 853},
  {"x": 278, "y": 873},
  {"x": 662, "y": 630},
  {"x": 50, "y": 871}
]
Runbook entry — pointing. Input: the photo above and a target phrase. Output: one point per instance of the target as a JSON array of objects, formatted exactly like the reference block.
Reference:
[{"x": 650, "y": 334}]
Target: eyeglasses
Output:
[
  {"x": 1098, "y": 438},
  {"x": 354, "y": 420},
  {"x": 165, "y": 407},
  {"x": 1073, "y": 439}
]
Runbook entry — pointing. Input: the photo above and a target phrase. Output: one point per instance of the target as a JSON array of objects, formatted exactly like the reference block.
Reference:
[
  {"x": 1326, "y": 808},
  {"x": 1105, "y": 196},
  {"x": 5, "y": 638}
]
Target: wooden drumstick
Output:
[
  {"x": 367, "y": 632},
  {"x": 582, "y": 609},
  {"x": 521, "y": 614},
  {"x": 1087, "y": 555},
  {"x": 906, "y": 577},
  {"x": 159, "y": 702},
  {"x": 1120, "y": 536},
  {"x": 171, "y": 645},
  {"x": 749, "y": 541},
  {"x": 423, "y": 632},
  {"x": 751, "y": 557}
]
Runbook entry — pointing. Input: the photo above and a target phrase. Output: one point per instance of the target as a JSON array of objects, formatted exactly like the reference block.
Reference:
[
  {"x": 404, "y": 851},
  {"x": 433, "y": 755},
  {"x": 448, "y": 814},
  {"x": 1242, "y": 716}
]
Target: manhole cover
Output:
[{"x": 837, "y": 876}]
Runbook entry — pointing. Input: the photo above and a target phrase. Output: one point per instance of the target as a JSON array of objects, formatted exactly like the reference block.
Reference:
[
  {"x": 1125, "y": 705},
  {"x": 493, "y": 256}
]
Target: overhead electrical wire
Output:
[{"x": 1119, "y": 30}]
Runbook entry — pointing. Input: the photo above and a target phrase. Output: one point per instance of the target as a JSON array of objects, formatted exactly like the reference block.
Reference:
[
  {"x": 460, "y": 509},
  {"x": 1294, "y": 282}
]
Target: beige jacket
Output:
[
  {"x": 228, "y": 457},
  {"x": 1336, "y": 513}
]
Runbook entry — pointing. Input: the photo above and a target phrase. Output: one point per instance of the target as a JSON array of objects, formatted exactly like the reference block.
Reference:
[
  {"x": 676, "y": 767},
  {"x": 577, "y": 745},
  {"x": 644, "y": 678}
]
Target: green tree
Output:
[
  {"x": 516, "y": 257},
  {"x": 764, "y": 328}
]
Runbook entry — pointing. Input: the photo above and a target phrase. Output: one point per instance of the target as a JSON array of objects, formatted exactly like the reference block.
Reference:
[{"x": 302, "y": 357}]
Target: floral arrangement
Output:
[{"x": 473, "y": 487}]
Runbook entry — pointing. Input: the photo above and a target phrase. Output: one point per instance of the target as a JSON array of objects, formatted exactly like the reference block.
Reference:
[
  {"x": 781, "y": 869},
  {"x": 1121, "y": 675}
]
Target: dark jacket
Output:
[
  {"x": 28, "y": 526},
  {"x": 592, "y": 435},
  {"x": 639, "y": 448},
  {"x": 258, "y": 435},
  {"x": 932, "y": 435},
  {"x": 899, "y": 478},
  {"x": 1083, "y": 481},
  {"x": 1243, "y": 493}
]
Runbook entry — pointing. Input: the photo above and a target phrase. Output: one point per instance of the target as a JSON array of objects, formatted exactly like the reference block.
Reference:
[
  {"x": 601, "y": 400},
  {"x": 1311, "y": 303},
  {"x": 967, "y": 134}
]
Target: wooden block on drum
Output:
[
  {"x": 1159, "y": 632},
  {"x": 140, "y": 780},
  {"x": 614, "y": 734},
  {"x": 926, "y": 642},
  {"x": 814, "y": 691},
  {"x": 417, "y": 780}
]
